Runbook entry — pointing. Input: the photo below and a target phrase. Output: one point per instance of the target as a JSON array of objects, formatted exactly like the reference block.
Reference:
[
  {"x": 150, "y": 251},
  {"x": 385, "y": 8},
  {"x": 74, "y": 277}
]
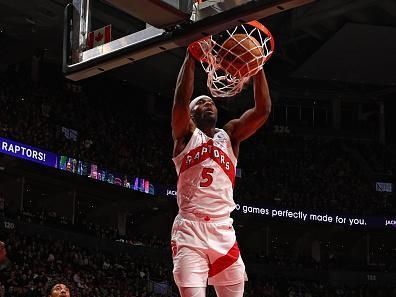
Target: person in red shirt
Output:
[{"x": 3, "y": 252}]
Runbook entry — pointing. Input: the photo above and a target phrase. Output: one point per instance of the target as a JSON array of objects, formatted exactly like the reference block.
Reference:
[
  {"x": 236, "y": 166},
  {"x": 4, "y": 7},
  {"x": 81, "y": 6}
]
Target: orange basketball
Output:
[{"x": 241, "y": 55}]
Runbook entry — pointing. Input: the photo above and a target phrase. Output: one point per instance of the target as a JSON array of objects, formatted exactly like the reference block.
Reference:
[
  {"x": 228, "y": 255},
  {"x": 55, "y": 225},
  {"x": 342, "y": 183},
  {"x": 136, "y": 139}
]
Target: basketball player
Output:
[
  {"x": 204, "y": 246},
  {"x": 58, "y": 289}
]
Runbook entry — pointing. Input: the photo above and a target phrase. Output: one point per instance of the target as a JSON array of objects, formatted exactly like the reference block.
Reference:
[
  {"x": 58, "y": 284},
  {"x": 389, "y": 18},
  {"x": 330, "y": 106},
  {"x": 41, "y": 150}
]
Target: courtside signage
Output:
[{"x": 92, "y": 171}]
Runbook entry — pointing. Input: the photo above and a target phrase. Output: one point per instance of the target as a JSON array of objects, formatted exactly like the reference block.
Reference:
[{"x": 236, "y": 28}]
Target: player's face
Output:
[
  {"x": 205, "y": 109},
  {"x": 60, "y": 290}
]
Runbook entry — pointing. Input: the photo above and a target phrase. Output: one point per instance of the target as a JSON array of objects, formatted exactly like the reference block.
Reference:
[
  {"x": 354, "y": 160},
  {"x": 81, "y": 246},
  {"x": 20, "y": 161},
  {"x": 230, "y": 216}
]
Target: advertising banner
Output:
[{"x": 26, "y": 152}]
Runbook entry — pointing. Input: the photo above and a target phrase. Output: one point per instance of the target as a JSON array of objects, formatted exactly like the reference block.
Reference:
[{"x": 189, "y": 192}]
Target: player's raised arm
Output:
[
  {"x": 181, "y": 121},
  {"x": 242, "y": 128}
]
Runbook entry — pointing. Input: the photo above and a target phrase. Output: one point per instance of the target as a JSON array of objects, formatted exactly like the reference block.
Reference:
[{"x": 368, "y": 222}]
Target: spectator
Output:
[{"x": 58, "y": 289}]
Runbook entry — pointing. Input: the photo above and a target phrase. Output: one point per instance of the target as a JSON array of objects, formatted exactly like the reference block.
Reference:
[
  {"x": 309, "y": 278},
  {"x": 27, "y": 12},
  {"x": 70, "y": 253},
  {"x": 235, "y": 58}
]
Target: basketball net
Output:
[{"x": 227, "y": 81}]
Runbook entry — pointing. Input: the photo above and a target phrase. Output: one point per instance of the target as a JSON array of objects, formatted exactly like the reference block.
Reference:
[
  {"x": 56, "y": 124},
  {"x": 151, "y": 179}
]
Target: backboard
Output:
[{"x": 165, "y": 25}]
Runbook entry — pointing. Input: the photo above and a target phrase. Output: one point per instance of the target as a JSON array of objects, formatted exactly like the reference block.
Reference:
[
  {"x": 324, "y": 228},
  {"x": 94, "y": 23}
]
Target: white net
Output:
[{"x": 233, "y": 56}]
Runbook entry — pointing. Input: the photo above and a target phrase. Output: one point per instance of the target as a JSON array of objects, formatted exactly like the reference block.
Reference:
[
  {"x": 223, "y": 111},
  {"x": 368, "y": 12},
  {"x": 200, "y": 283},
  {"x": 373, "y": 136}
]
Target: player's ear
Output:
[{"x": 192, "y": 117}]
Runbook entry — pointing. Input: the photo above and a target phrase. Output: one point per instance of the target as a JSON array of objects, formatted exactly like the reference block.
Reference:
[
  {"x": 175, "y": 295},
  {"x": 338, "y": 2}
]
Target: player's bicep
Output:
[
  {"x": 244, "y": 127},
  {"x": 181, "y": 121}
]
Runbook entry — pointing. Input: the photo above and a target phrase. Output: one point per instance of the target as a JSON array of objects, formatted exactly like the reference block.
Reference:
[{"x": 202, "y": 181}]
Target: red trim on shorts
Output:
[
  {"x": 174, "y": 248},
  {"x": 224, "y": 261}
]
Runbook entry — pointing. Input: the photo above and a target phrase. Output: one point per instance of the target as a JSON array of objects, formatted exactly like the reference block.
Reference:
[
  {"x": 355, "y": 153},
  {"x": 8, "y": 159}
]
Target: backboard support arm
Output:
[{"x": 151, "y": 41}]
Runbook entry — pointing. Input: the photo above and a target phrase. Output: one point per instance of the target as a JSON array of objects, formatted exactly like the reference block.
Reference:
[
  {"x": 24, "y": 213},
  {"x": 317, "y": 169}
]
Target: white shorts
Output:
[{"x": 205, "y": 252}]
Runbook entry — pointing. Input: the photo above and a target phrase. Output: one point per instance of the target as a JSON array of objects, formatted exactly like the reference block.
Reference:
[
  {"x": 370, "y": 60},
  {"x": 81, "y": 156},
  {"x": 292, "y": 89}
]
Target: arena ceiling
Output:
[{"x": 344, "y": 43}]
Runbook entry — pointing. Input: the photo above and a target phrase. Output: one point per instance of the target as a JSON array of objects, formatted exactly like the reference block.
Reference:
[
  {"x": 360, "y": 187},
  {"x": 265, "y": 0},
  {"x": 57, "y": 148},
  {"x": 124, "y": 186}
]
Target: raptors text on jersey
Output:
[{"x": 206, "y": 170}]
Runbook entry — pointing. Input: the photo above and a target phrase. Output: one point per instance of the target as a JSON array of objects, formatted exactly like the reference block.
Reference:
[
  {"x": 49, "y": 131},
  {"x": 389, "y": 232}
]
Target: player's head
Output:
[
  {"x": 203, "y": 111},
  {"x": 57, "y": 289}
]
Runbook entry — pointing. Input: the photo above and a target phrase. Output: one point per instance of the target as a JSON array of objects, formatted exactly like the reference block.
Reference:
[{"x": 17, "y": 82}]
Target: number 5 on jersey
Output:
[{"x": 207, "y": 177}]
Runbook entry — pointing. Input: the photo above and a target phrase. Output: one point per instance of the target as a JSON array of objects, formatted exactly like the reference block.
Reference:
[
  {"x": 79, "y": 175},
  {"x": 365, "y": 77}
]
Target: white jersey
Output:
[{"x": 206, "y": 168}]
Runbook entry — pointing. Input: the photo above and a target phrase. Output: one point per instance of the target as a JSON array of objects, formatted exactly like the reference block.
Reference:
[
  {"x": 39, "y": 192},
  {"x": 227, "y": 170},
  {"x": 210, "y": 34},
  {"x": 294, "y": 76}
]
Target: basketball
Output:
[{"x": 241, "y": 55}]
